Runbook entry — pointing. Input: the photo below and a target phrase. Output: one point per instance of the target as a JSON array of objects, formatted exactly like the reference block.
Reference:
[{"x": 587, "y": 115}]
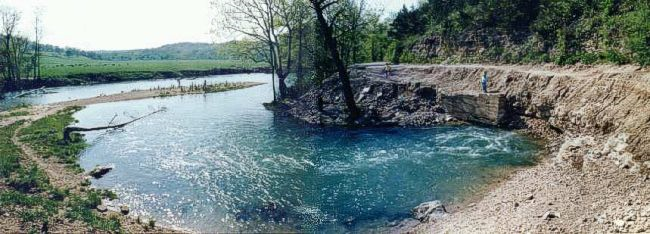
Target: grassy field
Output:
[
  {"x": 27, "y": 192},
  {"x": 61, "y": 67}
]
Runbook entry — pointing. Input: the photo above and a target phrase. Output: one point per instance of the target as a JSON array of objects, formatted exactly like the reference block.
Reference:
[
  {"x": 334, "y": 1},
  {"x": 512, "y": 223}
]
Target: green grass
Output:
[
  {"x": 14, "y": 114},
  {"x": 35, "y": 207},
  {"x": 29, "y": 180},
  {"x": 45, "y": 136},
  {"x": 15, "y": 111},
  {"x": 9, "y": 153},
  {"x": 59, "y": 67},
  {"x": 32, "y": 197},
  {"x": 81, "y": 208}
]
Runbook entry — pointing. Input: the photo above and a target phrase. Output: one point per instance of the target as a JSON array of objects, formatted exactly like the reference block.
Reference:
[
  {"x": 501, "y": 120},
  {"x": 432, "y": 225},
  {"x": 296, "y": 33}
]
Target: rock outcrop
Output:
[
  {"x": 100, "y": 171},
  {"x": 479, "y": 108},
  {"x": 429, "y": 211},
  {"x": 610, "y": 104},
  {"x": 382, "y": 102}
]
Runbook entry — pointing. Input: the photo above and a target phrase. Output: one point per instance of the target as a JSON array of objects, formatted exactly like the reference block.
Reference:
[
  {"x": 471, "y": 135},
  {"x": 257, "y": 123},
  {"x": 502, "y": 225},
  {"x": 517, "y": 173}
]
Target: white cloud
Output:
[{"x": 127, "y": 24}]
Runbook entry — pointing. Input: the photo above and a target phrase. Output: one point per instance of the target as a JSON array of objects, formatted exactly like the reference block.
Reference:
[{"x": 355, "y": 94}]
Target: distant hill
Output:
[{"x": 177, "y": 51}]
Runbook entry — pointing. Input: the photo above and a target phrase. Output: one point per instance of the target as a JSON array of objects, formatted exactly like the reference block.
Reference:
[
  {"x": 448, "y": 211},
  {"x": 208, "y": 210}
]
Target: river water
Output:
[{"x": 222, "y": 163}]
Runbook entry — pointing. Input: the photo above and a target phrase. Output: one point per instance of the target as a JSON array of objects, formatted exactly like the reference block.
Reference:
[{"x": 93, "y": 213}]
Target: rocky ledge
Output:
[
  {"x": 609, "y": 106},
  {"x": 596, "y": 120}
]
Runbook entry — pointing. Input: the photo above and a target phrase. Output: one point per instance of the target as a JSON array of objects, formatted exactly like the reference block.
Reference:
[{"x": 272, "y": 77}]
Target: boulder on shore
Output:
[
  {"x": 124, "y": 209},
  {"x": 429, "y": 211},
  {"x": 100, "y": 171},
  {"x": 102, "y": 208}
]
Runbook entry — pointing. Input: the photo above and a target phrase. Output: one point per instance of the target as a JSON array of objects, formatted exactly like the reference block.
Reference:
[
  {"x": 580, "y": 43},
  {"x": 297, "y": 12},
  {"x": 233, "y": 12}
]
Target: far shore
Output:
[
  {"x": 114, "y": 77},
  {"x": 40, "y": 111}
]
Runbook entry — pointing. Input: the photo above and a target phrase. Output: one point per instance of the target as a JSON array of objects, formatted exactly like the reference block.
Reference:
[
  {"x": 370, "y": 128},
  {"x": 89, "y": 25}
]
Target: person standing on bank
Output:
[
  {"x": 484, "y": 82},
  {"x": 387, "y": 70}
]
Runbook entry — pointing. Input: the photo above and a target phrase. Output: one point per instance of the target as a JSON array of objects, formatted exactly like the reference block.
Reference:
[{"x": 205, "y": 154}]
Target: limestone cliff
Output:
[{"x": 610, "y": 105}]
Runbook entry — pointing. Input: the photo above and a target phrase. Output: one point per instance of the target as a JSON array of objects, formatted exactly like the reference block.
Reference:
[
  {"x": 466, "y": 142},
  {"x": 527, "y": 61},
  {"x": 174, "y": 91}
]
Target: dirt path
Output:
[{"x": 59, "y": 175}]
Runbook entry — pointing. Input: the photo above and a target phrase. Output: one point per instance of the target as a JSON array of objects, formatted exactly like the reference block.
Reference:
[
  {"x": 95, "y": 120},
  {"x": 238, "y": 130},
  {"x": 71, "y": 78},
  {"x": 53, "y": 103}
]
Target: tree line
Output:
[
  {"x": 176, "y": 51},
  {"x": 558, "y": 31},
  {"x": 20, "y": 56},
  {"x": 305, "y": 41}
]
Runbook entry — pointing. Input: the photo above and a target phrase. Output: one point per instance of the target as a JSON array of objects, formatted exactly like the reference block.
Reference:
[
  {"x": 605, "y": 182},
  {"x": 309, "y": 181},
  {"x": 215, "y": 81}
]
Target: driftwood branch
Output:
[
  {"x": 67, "y": 132},
  {"x": 34, "y": 91}
]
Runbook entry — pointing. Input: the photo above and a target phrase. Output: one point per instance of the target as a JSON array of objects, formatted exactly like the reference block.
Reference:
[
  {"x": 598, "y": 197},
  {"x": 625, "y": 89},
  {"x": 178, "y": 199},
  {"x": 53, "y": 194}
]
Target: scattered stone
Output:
[
  {"x": 619, "y": 223},
  {"x": 516, "y": 204},
  {"x": 102, "y": 208},
  {"x": 392, "y": 223},
  {"x": 124, "y": 209},
  {"x": 530, "y": 197},
  {"x": 630, "y": 217},
  {"x": 100, "y": 171},
  {"x": 429, "y": 211},
  {"x": 550, "y": 215}
]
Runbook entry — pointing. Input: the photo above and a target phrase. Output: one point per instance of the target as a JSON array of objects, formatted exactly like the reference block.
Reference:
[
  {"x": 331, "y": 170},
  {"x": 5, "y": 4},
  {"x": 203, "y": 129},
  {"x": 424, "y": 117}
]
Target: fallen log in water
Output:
[
  {"x": 69, "y": 130},
  {"x": 26, "y": 93}
]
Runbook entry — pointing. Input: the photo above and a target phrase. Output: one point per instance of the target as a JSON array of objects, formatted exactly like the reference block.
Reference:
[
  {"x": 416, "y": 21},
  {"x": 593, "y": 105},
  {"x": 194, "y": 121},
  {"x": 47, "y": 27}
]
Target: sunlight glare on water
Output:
[{"x": 221, "y": 162}]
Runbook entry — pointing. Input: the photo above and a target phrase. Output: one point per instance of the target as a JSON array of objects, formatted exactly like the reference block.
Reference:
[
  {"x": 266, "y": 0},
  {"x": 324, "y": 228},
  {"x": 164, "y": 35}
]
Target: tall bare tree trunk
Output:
[
  {"x": 299, "y": 68},
  {"x": 273, "y": 71},
  {"x": 37, "y": 50},
  {"x": 342, "y": 70}
]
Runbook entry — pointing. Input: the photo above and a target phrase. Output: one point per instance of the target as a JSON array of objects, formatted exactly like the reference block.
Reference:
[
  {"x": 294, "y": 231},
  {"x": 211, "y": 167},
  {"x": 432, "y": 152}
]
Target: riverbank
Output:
[
  {"x": 42, "y": 187},
  {"x": 594, "y": 178}
]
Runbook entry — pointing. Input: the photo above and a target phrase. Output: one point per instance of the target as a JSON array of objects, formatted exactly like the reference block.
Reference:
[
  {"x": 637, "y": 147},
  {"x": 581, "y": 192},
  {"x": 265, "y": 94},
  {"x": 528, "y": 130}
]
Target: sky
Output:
[{"x": 129, "y": 24}]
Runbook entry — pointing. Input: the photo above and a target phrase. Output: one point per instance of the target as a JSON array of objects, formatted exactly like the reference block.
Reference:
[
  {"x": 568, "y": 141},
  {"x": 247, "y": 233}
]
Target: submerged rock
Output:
[
  {"x": 100, "y": 171},
  {"x": 429, "y": 211},
  {"x": 269, "y": 212}
]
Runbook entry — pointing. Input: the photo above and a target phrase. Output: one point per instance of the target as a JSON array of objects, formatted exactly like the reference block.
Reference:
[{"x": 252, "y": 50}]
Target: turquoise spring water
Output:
[{"x": 222, "y": 163}]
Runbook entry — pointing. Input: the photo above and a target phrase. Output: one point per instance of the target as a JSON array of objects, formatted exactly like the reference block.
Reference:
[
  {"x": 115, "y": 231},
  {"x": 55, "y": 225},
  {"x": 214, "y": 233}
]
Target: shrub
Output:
[{"x": 29, "y": 180}]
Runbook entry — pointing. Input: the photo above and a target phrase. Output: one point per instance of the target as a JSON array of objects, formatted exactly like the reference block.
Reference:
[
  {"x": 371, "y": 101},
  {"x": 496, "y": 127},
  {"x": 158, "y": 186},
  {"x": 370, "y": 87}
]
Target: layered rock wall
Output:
[
  {"x": 610, "y": 104},
  {"x": 489, "y": 109}
]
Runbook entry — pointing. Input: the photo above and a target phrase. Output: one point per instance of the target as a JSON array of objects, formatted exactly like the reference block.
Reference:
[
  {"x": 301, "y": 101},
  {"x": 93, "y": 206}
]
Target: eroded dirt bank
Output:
[{"x": 595, "y": 118}]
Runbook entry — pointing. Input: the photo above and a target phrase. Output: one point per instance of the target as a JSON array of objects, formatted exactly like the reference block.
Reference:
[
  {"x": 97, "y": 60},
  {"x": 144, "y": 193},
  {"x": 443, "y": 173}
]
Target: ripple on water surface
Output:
[{"x": 220, "y": 162}]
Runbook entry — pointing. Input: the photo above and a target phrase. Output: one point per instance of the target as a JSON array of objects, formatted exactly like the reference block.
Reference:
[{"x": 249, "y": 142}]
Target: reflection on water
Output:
[{"x": 221, "y": 162}]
